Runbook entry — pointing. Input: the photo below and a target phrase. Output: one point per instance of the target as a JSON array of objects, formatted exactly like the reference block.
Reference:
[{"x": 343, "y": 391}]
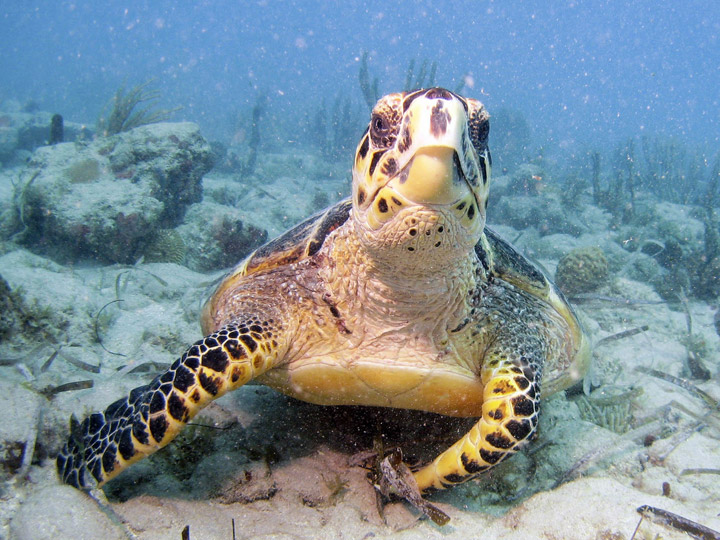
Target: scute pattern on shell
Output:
[{"x": 299, "y": 242}]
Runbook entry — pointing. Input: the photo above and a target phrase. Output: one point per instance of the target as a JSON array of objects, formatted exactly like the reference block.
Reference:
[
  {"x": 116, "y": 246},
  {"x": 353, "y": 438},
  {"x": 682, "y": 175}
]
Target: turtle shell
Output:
[
  {"x": 504, "y": 262},
  {"x": 302, "y": 241}
]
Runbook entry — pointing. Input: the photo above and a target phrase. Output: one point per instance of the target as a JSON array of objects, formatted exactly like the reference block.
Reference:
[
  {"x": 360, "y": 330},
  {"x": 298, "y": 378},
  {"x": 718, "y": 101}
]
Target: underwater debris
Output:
[
  {"x": 674, "y": 521},
  {"x": 397, "y": 479},
  {"x": 682, "y": 383},
  {"x": 658, "y": 455},
  {"x": 622, "y": 335},
  {"x": 97, "y": 331},
  {"x": 695, "y": 346},
  {"x": 686, "y": 472},
  {"x": 125, "y": 114},
  {"x": 80, "y": 364},
  {"x": 50, "y": 360},
  {"x": 121, "y": 284},
  {"x": 626, "y": 441},
  {"x": 709, "y": 419},
  {"x": 29, "y": 449},
  {"x": 629, "y": 302},
  {"x": 51, "y": 391}
]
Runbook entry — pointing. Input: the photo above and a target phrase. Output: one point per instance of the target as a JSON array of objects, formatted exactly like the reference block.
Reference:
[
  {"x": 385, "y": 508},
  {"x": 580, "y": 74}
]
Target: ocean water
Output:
[{"x": 605, "y": 137}]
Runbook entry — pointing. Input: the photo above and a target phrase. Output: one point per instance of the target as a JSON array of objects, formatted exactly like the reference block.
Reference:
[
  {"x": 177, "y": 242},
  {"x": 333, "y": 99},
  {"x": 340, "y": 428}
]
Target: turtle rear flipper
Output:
[{"x": 105, "y": 443}]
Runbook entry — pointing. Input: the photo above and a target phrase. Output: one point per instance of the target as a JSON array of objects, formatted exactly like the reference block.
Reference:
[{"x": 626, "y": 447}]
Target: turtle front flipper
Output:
[
  {"x": 151, "y": 416},
  {"x": 511, "y": 397}
]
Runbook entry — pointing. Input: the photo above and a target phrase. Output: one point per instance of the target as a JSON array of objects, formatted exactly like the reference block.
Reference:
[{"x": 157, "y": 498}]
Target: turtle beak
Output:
[
  {"x": 438, "y": 169},
  {"x": 432, "y": 176}
]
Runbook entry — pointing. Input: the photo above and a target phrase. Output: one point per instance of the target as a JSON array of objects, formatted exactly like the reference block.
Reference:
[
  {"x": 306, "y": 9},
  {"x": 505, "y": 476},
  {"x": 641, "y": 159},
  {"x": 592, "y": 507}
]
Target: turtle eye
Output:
[
  {"x": 385, "y": 121},
  {"x": 379, "y": 126},
  {"x": 479, "y": 125}
]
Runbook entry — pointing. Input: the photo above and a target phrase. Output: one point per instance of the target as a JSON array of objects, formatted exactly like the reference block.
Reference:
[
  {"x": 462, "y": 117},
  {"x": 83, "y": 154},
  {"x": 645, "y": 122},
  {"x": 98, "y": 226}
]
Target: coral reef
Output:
[
  {"x": 582, "y": 270},
  {"x": 166, "y": 245},
  {"x": 57, "y": 129},
  {"x": 704, "y": 265},
  {"x": 235, "y": 240},
  {"x": 369, "y": 89},
  {"x": 244, "y": 161},
  {"x": 527, "y": 179},
  {"x": 19, "y": 317},
  {"x": 8, "y": 309},
  {"x": 546, "y": 214},
  {"x": 217, "y": 237},
  {"x": 21, "y": 132},
  {"x": 609, "y": 412},
  {"x": 126, "y": 112},
  {"x": 83, "y": 171},
  {"x": 422, "y": 78},
  {"x": 663, "y": 167},
  {"x": 130, "y": 185}
]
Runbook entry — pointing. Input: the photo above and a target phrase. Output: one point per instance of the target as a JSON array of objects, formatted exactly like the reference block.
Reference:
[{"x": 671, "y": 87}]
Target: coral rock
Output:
[
  {"x": 582, "y": 270},
  {"x": 108, "y": 199}
]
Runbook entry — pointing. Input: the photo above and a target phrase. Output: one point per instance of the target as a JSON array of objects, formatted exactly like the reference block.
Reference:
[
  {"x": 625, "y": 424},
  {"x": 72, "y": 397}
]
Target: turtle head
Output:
[{"x": 421, "y": 175}]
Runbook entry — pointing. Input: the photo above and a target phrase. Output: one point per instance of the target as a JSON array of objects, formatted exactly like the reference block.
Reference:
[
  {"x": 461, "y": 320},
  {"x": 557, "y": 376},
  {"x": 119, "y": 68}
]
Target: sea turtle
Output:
[{"x": 398, "y": 296}]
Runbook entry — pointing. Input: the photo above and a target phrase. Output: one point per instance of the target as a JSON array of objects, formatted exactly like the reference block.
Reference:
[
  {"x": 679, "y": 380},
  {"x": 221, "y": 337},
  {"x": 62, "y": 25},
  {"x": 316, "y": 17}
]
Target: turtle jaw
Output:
[
  {"x": 432, "y": 180},
  {"x": 432, "y": 176}
]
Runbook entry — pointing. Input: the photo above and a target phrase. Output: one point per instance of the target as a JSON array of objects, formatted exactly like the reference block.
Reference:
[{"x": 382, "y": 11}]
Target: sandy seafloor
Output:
[{"x": 282, "y": 469}]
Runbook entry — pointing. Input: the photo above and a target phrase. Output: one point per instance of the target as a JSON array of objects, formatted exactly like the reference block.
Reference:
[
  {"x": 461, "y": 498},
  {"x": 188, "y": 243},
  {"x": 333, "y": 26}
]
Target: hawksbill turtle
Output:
[{"x": 398, "y": 296}]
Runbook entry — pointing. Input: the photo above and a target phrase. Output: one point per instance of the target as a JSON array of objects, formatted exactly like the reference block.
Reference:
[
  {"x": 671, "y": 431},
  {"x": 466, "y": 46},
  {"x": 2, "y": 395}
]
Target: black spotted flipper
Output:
[
  {"x": 106, "y": 443},
  {"x": 511, "y": 397}
]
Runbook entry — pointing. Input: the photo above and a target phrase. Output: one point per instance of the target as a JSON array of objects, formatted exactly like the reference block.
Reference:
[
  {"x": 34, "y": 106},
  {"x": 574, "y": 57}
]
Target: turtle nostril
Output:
[{"x": 438, "y": 93}]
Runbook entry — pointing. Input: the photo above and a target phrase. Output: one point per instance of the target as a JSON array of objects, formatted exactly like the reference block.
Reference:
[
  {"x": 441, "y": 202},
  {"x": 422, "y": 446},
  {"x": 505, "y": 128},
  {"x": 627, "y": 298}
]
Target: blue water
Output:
[
  {"x": 583, "y": 73},
  {"x": 585, "y": 76}
]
